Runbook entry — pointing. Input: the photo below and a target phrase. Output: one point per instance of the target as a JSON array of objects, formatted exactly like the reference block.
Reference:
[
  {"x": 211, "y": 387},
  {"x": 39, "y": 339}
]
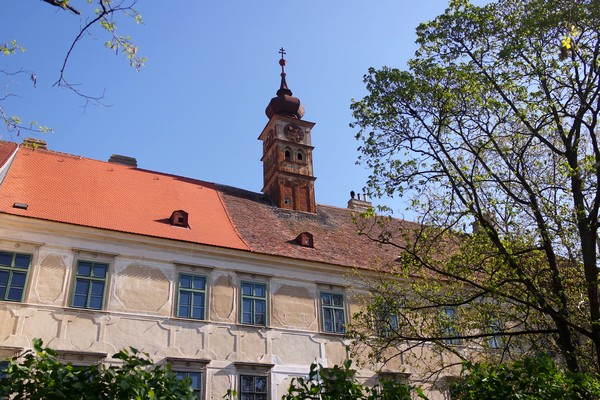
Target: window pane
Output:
[
  {"x": 198, "y": 312},
  {"x": 338, "y": 300},
  {"x": 246, "y": 289},
  {"x": 15, "y": 293},
  {"x": 6, "y": 259},
  {"x": 81, "y": 286},
  {"x": 185, "y": 281},
  {"x": 259, "y": 291},
  {"x": 97, "y": 288},
  {"x": 261, "y": 384},
  {"x": 100, "y": 270},
  {"x": 22, "y": 261},
  {"x": 95, "y": 302},
  {"x": 84, "y": 268},
  {"x": 326, "y": 299},
  {"x": 79, "y": 300},
  {"x": 199, "y": 283},
  {"x": 247, "y": 384},
  {"x": 196, "y": 378},
  {"x": 328, "y": 320}
]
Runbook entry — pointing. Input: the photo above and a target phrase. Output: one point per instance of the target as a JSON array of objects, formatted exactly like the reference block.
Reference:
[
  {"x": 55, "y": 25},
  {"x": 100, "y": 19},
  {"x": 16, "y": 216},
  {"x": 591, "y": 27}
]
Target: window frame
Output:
[
  {"x": 192, "y": 290},
  {"x": 11, "y": 270},
  {"x": 90, "y": 279},
  {"x": 254, "y": 298},
  {"x": 198, "y": 392},
  {"x": 333, "y": 307},
  {"x": 254, "y": 393},
  {"x": 190, "y": 365}
]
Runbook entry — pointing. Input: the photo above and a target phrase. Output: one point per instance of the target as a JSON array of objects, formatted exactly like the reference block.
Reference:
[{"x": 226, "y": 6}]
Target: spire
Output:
[
  {"x": 283, "y": 88},
  {"x": 284, "y": 104}
]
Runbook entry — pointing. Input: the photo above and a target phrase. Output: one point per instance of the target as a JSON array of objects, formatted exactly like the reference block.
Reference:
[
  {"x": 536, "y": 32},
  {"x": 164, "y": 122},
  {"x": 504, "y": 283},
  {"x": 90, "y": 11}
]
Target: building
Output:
[{"x": 236, "y": 289}]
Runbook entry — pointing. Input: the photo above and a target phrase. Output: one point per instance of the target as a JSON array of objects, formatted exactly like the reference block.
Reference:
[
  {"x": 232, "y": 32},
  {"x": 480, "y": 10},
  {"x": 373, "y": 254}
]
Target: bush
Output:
[{"x": 532, "y": 378}]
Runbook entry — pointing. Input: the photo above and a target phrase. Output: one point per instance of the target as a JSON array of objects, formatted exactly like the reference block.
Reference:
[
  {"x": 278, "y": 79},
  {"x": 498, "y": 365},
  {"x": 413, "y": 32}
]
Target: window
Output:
[
  {"x": 494, "y": 326},
  {"x": 449, "y": 329},
  {"x": 254, "y": 303},
  {"x": 333, "y": 312},
  {"x": 191, "y": 296},
  {"x": 300, "y": 156},
  {"x": 90, "y": 283},
  {"x": 253, "y": 387},
  {"x": 386, "y": 323},
  {"x": 13, "y": 275},
  {"x": 288, "y": 155},
  {"x": 195, "y": 379}
]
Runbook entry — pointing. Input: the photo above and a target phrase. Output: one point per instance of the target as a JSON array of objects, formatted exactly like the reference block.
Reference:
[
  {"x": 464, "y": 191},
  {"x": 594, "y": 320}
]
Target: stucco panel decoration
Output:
[
  {"x": 189, "y": 340},
  {"x": 294, "y": 307},
  {"x": 41, "y": 325},
  {"x": 82, "y": 332},
  {"x": 223, "y": 342},
  {"x": 253, "y": 346},
  {"x": 296, "y": 349},
  {"x": 223, "y": 299},
  {"x": 149, "y": 335},
  {"x": 143, "y": 288},
  {"x": 7, "y": 325},
  {"x": 50, "y": 283},
  {"x": 335, "y": 352}
]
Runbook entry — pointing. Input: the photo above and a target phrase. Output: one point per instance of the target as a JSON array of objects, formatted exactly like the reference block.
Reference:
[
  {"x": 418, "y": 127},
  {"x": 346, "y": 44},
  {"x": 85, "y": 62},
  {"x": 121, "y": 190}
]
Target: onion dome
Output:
[{"x": 284, "y": 103}]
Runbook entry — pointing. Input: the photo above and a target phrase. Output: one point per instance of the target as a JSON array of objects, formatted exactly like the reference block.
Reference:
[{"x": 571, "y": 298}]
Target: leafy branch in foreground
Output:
[{"x": 39, "y": 374}]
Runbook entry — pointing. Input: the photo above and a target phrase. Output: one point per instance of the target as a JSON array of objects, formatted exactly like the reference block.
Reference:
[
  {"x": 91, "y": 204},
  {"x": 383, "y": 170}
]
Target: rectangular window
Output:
[
  {"x": 13, "y": 275},
  {"x": 387, "y": 324},
  {"x": 333, "y": 312},
  {"x": 195, "y": 379},
  {"x": 254, "y": 303},
  {"x": 449, "y": 328},
  {"x": 253, "y": 387},
  {"x": 90, "y": 283},
  {"x": 191, "y": 296}
]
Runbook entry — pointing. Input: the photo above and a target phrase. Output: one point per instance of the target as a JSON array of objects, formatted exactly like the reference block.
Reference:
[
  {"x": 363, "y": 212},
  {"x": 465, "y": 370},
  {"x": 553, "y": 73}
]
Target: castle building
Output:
[{"x": 236, "y": 289}]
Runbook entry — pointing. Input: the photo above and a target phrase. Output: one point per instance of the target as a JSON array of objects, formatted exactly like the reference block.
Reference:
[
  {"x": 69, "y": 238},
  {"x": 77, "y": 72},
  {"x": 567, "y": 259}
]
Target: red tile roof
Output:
[
  {"x": 80, "y": 191},
  {"x": 6, "y": 150},
  {"x": 268, "y": 229}
]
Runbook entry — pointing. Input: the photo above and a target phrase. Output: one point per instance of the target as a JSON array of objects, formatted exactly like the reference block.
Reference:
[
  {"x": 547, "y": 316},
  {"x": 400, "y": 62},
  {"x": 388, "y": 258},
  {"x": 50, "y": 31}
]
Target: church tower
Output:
[{"x": 287, "y": 152}]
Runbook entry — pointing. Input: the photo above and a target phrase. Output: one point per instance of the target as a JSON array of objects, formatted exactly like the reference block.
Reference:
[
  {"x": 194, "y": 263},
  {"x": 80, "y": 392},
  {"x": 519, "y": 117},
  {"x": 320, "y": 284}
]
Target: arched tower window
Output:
[
  {"x": 288, "y": 155},
  {"x": 300, "y": 156}
]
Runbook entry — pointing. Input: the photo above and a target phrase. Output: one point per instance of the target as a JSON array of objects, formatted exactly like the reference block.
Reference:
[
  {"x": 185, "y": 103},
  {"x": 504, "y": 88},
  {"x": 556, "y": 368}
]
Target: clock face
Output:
[{"x": 294, "y": 133}]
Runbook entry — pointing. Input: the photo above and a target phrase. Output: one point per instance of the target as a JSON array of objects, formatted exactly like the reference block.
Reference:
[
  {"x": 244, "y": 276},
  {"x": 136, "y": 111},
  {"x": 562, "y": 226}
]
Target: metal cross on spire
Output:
[{"x": 282, "y": 61}]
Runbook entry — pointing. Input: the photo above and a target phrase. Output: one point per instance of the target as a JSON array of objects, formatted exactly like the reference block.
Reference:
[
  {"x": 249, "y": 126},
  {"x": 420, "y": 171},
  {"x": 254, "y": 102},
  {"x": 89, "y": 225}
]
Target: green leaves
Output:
[
  {"x": 530, "y": 379},
  {"x": 339, "y": 382},
  {"x": 39, "y": 374}
]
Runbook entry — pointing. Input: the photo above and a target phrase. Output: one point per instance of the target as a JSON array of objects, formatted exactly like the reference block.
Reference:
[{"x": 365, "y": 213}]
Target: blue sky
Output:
[{"x": 197, "y": 107}]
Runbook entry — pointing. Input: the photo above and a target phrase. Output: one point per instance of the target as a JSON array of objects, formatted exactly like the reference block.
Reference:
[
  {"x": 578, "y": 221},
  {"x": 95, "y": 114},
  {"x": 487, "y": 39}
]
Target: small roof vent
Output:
[
  {"x": 305, "y": 239},
  {"x": 179, "y": 218},
  {"x": 123, "y": 160},
  {"x": 21, "y": 206},
  {"x": 32, "y": 143},
  {"x": 355, "y": 203}
]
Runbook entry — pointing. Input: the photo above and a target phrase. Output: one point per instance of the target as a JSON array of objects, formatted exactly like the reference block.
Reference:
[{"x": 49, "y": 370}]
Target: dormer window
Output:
[
  {"x": 305, "y": 239},
  {"x": 179, "y": 218}
]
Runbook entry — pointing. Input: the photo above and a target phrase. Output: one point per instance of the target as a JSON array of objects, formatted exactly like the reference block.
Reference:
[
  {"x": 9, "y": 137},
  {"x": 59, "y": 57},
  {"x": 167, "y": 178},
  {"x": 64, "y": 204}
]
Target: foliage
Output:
[
  {"x": 491, "y": 136},
  {"x": 339, "y": 382},
  {"x": 530, "y": 379},
  {"x": 98, "y": 13},
  {"x": 39, "y": 374}
]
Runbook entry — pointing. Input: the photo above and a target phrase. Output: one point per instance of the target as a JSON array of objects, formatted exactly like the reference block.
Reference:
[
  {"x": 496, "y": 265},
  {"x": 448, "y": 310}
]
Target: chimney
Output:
[
  {"x": 355, "y": 203},
  {"x": 32, "y": 143},
  {"x": 123, "y": 160}
]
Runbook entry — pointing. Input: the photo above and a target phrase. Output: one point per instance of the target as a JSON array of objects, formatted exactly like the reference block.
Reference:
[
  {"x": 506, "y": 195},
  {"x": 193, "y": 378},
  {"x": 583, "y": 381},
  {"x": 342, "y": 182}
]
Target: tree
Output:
[
  {"x": 97, "y": 13},
  {"x": 491, "y": 135},
  {"x": 530, "y": 379},
  {"x": 339, "y": 382},
  {"x": 38, "y": 374}
]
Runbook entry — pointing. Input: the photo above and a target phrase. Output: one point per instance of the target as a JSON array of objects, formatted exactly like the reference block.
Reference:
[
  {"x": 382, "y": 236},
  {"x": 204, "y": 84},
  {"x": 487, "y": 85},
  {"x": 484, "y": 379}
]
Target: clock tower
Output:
[{"x": 287, "y": 152}]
